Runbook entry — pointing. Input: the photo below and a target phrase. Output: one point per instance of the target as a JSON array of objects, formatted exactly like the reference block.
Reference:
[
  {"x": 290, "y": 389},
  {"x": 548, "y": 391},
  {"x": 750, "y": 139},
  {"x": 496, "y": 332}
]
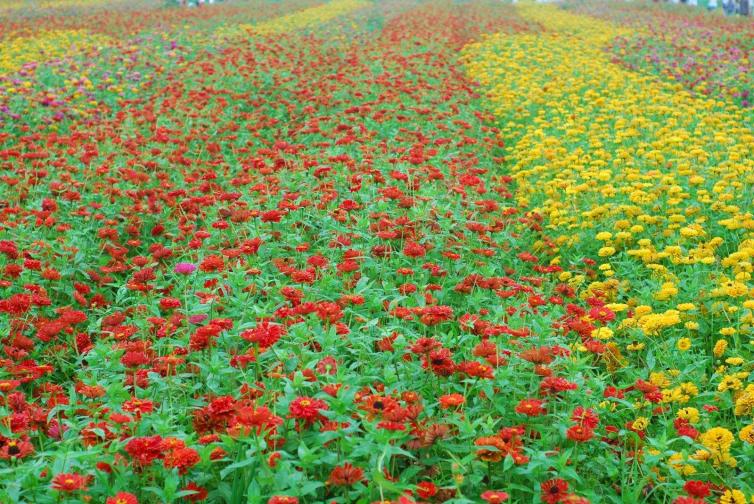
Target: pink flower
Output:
[{"x": 185, "y": 268}]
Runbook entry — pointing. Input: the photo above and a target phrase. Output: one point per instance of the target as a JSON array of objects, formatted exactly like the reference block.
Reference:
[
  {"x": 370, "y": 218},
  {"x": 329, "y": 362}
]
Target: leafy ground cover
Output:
[{"x": 367, "y": 252}]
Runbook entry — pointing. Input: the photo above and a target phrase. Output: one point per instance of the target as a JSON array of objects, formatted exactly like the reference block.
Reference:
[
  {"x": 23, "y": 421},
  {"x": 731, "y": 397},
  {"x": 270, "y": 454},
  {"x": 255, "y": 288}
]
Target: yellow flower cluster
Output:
[
  {"x": 303, "y": 19},
  {"x": 620, "y": 162},
  {"x": 45, "y": 46},
  {"x": 651, "y": 324},
  {"x": 654, "y": 182}
]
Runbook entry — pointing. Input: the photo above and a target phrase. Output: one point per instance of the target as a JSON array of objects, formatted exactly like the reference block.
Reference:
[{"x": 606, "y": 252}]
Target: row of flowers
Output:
[{"x": 653, "y": 182}]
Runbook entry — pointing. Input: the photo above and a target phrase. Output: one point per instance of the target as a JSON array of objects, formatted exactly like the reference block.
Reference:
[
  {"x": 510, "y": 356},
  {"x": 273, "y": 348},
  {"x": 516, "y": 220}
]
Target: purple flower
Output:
[{"x": 185, "y": 268}]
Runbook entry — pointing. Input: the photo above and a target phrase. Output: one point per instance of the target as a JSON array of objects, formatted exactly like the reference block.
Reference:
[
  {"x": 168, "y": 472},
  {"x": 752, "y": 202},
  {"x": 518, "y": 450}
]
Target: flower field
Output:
[{"x": 368, "y": 252}]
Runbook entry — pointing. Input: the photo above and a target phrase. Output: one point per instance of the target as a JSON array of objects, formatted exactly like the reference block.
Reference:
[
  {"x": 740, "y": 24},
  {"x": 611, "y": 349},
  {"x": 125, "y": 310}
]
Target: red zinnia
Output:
[
  {"x": 69, "y": 482},
  {"x": 573, "y": 499},
  {"x": 182, "y": 458},
  {"x": 491, "y": 455},
  {"x": 451, "y": 400},
  {"x": 426, "y": 489},
  {"x": 306, "y": 408},
  {"x": 530, "y": 407},
  {"x": 282, "y": 499},
  {"x": 144, "y": 450},
  {"x": 440, "y": 362},
  {"x": 697, "y": 488},
  {"x": 200, "y": 493},
  {"x": 494, "y": 496},
  {"x": 345, "y": 475},
  {"x": 585, "y": 417},
  {"x": 122, "y": 498},
  {"x": 553, "y": 490},
  {"x": 579, "y": 433},
  {"x": 264, "y": 334}
]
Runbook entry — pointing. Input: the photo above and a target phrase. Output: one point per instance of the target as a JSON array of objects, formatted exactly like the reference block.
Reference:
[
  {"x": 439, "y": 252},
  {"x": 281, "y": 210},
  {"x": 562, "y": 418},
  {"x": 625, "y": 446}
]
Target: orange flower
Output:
[{"x": 487, "y": 454}]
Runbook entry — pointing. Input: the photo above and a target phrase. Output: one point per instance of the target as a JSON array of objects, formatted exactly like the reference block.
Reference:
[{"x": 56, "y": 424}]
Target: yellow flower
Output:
[
  {"x": 717, "y": 439},
  {"x": 683, "y": 344},
  {"x": 677, "y": 462},
  {"x": 652, "y": 323},
  {"x": 689, "y": 388},
  {"x": 659, "y": 379},
  {"x": 46, "y": 44},
  {"x": 720, "y": 347},
  {"x": 604, "y": 236},
  {"x": 690, "y": 414},
  {"x": 747, "y": 434},
  {"x": 729, "y": 383},
  {"x": 732, "y": 497},
  {"x": 745, "y": 402},
  {"x": 602, "y": 333},
  {"x": 640, "y": 423}
]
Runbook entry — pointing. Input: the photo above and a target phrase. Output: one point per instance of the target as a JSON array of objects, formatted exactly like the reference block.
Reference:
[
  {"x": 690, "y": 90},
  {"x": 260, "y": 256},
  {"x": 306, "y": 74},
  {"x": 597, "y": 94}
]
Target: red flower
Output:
[
  {"x": 451, "y": 401},
  {"x": 282, "y": 499},
  {"x": 182, "y": 458},
  {"x": 265, "y": 334},
  {"x": 602, "y": 314},
  {"x": 69, "y": 482},
  {"x": 272, "y": 216},
  {"x": 138, "y": 406},
  {"x": 530, "y": 407},
  {"x": 573, "y": 499},
  {"x": 259, "y": 420},
  {"x": 553, "y": 385},
  {"x": 134, "y": 359},
  {"x": 144, "y": 450},
  {"x": 495, "y": 496},
  {"x": 553, "y": 490},
  {"x": 15, "y": 448},
  {"x": 440, "y": 362},
  {"x": 697, "y": 488},
  {"x": 688, "y": 500},
  {"x": 212, "y": 263},
  {"x": 585, "y": 417},
  {"x": 579, "y": 433},
  {"x": 307, "y": 409},
  {"x": 683, "y": 428},
  {"x": 200, "y": 492},
  {"x": 122, "y": 498},
  {"x": 413, "y": 249},
  {"x": 433, "y": 315},
  {"x": 426, "y": 489},
  {"x": 496, "y": 454},
  {"x": 345, "y": 475},
  {"x": 424, "y": 345}
]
